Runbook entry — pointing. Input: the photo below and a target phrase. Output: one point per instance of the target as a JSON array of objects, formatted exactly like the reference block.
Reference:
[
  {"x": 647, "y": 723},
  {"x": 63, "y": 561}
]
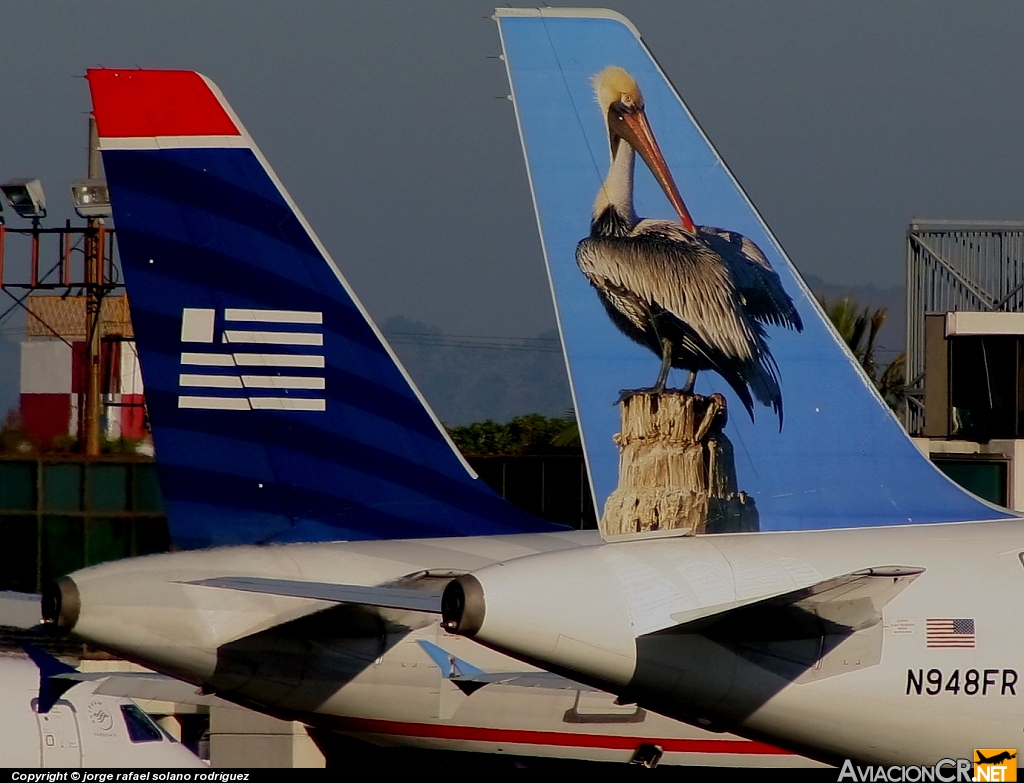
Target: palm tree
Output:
[{"x": 859, "y": 328}]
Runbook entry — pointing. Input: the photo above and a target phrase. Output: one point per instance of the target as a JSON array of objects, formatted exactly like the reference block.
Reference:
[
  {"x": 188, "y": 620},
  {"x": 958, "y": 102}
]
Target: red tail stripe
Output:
[
  {"x": 138, "y": 103},
  {"x": 556, "y": 738}
]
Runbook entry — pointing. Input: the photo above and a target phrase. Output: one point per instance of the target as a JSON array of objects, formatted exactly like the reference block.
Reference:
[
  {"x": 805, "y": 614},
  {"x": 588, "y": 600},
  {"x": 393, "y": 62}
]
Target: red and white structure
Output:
[{"x": 52, "y": 378}]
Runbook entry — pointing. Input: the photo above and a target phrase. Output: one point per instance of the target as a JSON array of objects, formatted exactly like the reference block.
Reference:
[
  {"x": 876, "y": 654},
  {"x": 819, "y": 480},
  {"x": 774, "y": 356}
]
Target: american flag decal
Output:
[
  {"x": 946, "y": 632},
  {"x": 278, "y": 365}
]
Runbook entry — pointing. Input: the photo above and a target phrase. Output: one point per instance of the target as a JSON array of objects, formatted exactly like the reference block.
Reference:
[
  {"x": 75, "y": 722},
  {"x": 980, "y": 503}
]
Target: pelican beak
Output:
[{"x": 631, "y": 126}]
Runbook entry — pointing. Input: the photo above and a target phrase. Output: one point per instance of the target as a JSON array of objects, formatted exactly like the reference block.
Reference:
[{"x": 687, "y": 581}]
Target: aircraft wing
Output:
[
  {"x": 460, "y": 672},
  {"x": 383, "y": 597},
  {"x": 852, "y": 601}
]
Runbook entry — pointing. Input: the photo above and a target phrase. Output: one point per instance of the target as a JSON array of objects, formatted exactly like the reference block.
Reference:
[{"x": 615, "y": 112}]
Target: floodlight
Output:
[
  {"x": 25, "y": 197},
  {"x": 91, "y": 197}
]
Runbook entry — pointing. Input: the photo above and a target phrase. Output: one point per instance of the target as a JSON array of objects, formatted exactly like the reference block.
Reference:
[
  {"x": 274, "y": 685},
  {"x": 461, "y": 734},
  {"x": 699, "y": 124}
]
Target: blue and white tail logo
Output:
[
  {"x": 260, "y": 357},
  {"x": 739, "y": 409},
  {"x": 279, "y": 412}
]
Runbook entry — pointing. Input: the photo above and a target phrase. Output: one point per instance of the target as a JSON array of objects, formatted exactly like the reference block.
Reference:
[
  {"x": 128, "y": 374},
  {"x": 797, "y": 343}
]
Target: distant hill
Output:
[{"x": 473, "y": 378}]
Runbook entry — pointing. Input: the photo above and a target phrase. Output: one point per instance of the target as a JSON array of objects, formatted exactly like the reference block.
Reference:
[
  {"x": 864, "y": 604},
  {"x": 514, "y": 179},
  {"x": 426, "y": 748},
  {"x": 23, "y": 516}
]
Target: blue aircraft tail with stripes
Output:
[
  {"x": 697, "y": 283},
  {"x": 279, "y": 412}
]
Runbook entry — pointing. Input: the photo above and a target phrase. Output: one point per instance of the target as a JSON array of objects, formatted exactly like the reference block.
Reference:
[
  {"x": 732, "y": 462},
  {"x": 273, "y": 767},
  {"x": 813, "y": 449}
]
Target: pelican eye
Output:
[{"x": 621, "y": 109}]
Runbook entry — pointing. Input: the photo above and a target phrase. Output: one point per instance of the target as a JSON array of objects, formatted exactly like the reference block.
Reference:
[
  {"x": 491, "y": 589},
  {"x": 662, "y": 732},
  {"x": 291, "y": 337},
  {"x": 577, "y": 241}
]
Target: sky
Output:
[{"x": 388, "y": 124}]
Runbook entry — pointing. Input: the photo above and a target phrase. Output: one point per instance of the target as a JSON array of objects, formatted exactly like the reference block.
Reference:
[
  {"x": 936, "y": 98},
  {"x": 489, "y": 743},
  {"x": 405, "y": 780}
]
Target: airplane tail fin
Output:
[
  {"x": 279, "y": 412},
  {"x": 704, "y": 272},
  {"x": 51, "y": 687}
]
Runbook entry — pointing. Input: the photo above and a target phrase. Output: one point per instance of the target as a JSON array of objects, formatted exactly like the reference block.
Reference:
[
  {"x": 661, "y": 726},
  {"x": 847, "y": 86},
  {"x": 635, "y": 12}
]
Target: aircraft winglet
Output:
[
  {"x": 469, "y": 678},
  {"x": 451, "y": 666}
]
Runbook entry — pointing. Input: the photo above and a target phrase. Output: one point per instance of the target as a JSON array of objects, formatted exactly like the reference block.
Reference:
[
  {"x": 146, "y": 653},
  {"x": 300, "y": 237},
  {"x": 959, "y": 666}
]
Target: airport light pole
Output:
[{"x": 90, "y": 401}]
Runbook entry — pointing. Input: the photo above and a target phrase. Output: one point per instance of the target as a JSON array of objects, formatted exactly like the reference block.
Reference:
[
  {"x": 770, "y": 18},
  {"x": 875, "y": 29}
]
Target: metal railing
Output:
[{"x": 957, "y": 265}]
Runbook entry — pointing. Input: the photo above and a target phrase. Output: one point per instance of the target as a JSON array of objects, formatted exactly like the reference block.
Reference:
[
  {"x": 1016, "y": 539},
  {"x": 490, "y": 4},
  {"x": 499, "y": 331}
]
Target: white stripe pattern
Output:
[
  {"x": 214, "y": 403},
  {"x": 252, "y": 359},
  {"x": 278, "y": 360},
  {"x": 210, "y": 381},
  {"x": 272, "y": 338},
  {"x": 207, "y": 359},
  {"x": 282, "y": 382},
  {"x": 274, "y": 316},
  {"x": 199, "y": 325},
  {"x": 171, "y": 142},
  {"x": 287, "y": 404}
]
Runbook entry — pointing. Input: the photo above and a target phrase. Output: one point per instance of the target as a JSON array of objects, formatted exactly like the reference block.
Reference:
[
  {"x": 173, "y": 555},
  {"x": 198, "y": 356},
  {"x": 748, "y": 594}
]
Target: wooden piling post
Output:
[{"x": 676, "y": 469}]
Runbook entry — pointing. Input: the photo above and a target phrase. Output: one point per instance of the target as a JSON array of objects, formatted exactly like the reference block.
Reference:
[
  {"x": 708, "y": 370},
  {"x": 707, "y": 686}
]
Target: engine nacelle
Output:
[{"x": 546, "y": 609}]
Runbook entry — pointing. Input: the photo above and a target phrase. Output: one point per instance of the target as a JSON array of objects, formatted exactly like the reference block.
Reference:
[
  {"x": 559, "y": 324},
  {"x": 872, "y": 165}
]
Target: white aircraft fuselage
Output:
[
  {"x": 360, "y": 670},
  {"x": 936, "y": 675},
  {"x": 604, "y": 614}
]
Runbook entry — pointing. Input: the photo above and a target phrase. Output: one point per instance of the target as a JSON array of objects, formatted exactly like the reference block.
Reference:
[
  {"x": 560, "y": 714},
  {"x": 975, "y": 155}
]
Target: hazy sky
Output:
[{"x": 388, "y": 125}]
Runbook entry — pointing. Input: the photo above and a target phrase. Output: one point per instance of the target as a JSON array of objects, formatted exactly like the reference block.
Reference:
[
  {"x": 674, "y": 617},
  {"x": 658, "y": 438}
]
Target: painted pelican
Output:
[{"x": 697, "y": 296}]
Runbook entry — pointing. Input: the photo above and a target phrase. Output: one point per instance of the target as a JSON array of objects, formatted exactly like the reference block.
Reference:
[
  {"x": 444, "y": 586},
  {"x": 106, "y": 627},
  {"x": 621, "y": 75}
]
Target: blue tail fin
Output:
[
  {"x": 279, "y": 413},
  {"x": 725, "y": 300}
]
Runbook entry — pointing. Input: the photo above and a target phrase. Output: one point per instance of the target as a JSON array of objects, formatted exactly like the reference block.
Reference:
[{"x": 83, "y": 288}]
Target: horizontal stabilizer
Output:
[
  {"x": 852, "y": 602},
  {"x": 142, "y": 685},
  {"x": 382, "y": 597},
  {"x": 817, "y": 632},
  {"x": 158, "y": 687},
  {"x": 463, "y": 673}
]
